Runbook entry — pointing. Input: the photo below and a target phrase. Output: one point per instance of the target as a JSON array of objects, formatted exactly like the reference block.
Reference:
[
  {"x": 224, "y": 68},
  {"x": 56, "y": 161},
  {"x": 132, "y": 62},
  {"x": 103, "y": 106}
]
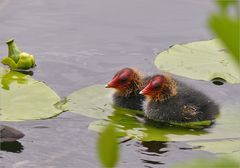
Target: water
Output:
[{"x": 80, "y": 43}]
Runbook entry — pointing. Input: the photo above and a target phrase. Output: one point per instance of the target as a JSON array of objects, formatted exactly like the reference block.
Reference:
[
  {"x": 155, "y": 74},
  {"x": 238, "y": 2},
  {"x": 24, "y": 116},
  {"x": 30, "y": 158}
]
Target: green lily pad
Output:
[
  {"x": 23, "y": 98},
  {"x": 203, "y": 60},
  {"x": 96, "y": 102},
  {"x": 228, "y": 148},
  {"x": 220, "y": 162},
  {"x": 93, "y": 101}
]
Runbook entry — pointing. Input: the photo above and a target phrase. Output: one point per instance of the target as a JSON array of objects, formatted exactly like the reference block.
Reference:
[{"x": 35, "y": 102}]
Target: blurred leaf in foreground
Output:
[
  {"x": 223, "y": 4},
  {"x": 227, "y": 29},
  {"x": 107, "y": 146},
  {"x": 226, "y": 26}
]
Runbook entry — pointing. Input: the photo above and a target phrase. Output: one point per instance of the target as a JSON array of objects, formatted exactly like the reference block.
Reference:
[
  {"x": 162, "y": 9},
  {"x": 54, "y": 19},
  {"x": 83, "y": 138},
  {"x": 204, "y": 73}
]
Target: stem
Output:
[{"x": 13, "y": 50}]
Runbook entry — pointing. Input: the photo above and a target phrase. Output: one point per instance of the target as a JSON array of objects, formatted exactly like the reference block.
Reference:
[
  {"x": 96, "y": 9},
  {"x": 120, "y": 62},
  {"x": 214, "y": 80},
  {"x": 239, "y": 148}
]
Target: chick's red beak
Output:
[
  {"x": 146, "y": 90},
  {"x": 111, "y": 84}
]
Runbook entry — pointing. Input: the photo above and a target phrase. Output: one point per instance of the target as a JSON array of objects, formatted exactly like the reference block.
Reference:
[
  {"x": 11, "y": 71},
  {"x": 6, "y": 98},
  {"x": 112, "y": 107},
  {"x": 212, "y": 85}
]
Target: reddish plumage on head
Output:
[
  {"x": 121, "y": 79},
  {"x": 125, "y": 81},
  {"x": 160, "y": 88}
]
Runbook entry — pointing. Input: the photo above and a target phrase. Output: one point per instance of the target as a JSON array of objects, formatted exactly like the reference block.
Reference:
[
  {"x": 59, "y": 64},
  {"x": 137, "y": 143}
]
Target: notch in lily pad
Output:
[{"x": 16, "y": 59}]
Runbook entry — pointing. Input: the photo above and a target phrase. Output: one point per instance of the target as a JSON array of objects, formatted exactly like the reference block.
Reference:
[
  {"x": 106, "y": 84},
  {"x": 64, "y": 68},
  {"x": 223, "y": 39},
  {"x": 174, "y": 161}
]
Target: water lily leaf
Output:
[
  {"x": 23, "y": 98},
  {"x": 221, "y": 147},
  {"x": 96, "y": 102},
  {"x": 203, "y": 60},
  {"x": 209, "y": 163},
  {"x": 93, "y": 101},
  {"x": 228, "y": 148}
]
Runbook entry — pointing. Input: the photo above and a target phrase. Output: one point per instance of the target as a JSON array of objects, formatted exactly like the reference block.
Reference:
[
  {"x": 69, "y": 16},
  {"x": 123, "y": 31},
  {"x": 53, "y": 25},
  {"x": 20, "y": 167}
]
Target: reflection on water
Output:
[
  {"x": 133, "y": 124},
  {"x": 155, "y": 147},
  {"x": 26, "y": 72},
  {"x": 153, "y": 150},
  {"x": 10, "y": 77},
  {"x": 151, "y": 162},
  {"x": 15, "y": 147}
]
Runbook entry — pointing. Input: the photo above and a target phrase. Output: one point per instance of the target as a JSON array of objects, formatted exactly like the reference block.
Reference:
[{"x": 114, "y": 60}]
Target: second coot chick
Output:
[
  {"x": 128, "y": 83},
  {"x": 169, "y": 100}
]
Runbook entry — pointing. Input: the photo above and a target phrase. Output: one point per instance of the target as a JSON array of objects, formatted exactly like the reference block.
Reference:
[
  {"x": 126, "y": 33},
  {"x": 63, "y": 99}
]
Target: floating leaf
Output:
[
  {"x": 209, "y": 163},
  {"x": 107, "y": 146},
  {"x": 228, "y": 148},
  {"x": 96, "y": 102},
  {"x": 204, "y": 60},
  {"x": 93, "y": 101},
  {"x": 23, "y": 98}
]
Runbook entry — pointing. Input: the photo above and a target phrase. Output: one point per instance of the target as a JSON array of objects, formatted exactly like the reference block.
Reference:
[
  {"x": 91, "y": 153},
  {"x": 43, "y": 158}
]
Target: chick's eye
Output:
[
  {"x": 123, "y": 79},
  {"x": 156, "y": 85}
]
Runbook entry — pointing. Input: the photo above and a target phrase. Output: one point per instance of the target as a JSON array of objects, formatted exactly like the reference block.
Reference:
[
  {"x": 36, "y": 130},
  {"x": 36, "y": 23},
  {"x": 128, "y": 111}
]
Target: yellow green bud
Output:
[{"x": 17, "y": 59}]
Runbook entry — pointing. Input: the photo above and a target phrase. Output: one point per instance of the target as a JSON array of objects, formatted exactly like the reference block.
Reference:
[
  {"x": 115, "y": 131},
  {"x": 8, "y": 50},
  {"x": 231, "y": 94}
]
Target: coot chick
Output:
[
  {"x": 169, "y": 100},
  {"x": 128, "y": 83}
]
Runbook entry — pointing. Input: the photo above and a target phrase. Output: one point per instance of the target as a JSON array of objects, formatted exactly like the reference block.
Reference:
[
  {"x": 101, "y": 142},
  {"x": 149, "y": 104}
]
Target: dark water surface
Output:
[{"x": 79, "y": 43}]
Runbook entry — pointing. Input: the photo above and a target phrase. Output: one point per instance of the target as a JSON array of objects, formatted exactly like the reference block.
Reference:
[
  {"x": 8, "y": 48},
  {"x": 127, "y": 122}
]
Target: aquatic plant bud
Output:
[{"x": 17, "y": 59}]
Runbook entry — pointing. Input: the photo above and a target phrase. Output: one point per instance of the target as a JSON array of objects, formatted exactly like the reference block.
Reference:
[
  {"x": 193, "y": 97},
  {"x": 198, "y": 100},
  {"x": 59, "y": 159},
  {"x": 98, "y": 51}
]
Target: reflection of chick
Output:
[
  {"x": 128, "y": 83},
  {"x": 169, "y": 100}
]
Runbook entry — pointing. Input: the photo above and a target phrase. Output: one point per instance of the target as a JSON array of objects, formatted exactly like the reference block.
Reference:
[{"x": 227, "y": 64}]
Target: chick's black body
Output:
[
  {"x": 188, "y": 105},
  {"x": 133, "y": 100}
]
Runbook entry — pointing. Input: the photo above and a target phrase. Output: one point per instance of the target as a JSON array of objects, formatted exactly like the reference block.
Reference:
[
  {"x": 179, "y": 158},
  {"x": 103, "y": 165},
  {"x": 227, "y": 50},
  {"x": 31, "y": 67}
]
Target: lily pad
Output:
[
  {"x": 23, "y": 98},
  {"x": 222, "y": 147},
  {"x": 228, "y": 148},
  {"x": 96, "y": 102},
  {"x": 93, "y": 101},
  {"x": 220, "y": 162},
  {"x": 203, "y": 60}
]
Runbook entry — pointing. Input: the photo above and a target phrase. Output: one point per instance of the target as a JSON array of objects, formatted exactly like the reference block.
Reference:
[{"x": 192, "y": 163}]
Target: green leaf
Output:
[
  {"x": 24, "y": 98},
  {"x": 209, "y": 163},
  {"x": 96, "y": 102},
  {"x": 93, "y": 101},
  {"x": 107, "y": 146},
  {"x": 203, "y": 60},
  {"x": 229, "y": 148},
  {"x": 224, "y": 4},
  {"x": 227, "y": 29}
]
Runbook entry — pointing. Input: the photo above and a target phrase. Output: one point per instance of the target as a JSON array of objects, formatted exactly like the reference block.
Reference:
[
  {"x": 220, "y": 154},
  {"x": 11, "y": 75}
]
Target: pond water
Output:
[{"x": 80, "y": 43}]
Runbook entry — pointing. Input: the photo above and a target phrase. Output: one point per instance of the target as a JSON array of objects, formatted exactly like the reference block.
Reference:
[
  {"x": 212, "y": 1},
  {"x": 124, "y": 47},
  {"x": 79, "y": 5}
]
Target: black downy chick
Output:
[
  {"x": 169, "y": 100},
  {"x": 128, "y": 83}
]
